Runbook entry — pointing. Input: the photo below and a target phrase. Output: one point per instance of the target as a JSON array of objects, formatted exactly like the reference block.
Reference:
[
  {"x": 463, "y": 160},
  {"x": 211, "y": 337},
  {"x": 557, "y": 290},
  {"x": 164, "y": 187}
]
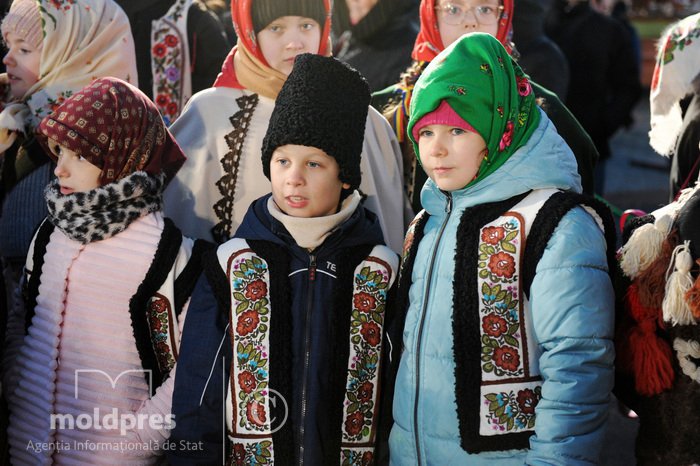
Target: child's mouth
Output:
[
  {"x": 65, "y": 190},
  {"x": 296, "y": 202}
]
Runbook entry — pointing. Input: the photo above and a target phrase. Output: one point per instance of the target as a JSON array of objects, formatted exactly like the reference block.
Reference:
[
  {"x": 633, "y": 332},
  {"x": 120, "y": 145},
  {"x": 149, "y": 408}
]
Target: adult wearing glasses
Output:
[{"x": 443, "y": 22}]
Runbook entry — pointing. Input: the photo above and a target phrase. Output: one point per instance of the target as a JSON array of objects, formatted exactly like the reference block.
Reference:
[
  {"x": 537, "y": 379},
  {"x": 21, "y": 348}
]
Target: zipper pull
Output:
[
  {"x": 312, "y": 267},
  {"x": 448, "y": 207}
]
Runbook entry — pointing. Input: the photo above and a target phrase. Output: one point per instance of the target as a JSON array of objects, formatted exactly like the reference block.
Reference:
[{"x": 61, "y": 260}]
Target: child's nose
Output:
[
  {"x": 8, "y": 59},
  {"x": 470, "y": 18},
  {"x": 60, "y": 170},
  {"x": 295, "y": 43}
]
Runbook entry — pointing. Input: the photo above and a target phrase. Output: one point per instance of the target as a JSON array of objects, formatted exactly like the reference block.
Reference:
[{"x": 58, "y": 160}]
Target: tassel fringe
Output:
[
  {"x": 644, "y": 246},
  {"x": 675, "y": 308}
]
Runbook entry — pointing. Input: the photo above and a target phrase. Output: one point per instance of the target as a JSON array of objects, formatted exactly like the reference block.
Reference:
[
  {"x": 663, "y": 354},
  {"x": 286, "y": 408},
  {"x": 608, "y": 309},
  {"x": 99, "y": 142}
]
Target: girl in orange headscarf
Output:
[
  {"x": 441, "y": 23},
  {"x": 221, "y": 129}
]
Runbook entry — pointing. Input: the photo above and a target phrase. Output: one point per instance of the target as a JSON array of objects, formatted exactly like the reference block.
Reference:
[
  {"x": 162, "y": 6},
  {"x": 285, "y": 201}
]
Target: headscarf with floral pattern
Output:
[
  {"x": 484, "y": 85},
  {"x": 83, "y": 40},
  {"x": 245, "y": 66}
]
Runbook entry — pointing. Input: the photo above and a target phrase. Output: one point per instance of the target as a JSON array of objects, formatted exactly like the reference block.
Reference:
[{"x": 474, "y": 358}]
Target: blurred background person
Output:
[
  {"x": 604, "y": 84},
  {"x": 376, "y": 37}
]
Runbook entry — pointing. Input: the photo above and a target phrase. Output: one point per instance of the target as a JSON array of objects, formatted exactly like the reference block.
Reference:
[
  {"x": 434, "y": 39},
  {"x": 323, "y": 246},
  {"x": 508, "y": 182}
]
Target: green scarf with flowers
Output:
[{"x": 480, "y": 81}]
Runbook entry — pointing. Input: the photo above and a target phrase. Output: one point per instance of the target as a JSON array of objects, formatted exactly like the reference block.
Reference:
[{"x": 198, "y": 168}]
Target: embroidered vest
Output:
[
  {"x": 170, "y": 61},
  {"x": 157, "y": 303},
  {"x": 498, "y": 381},
  {"x": 251, "y": 397}
]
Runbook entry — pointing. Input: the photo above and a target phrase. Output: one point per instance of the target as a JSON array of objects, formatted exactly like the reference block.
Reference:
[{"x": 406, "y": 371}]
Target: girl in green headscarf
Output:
[{"x": 508, "y": 355}]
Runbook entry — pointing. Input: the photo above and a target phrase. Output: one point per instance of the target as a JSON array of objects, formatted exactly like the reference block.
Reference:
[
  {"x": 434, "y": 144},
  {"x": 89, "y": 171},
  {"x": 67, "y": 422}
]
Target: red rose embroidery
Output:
[
  {"x": 364, "y": 393},
  {"x": 256, "y": 290},
  {"x": 255, "y": 413},
  {"x": 172, "y": 108},
  {"x": 171, "y": 40},
  {"x": 247, "y": 381},
  {"x": 502, "y": 265},
  {"x": 162, "y": 100},
  {"x": 527, "y": 400},
  {"x": 156, "y": 324},
  {"x": 370, "y": 332},
  {"x": 524, "y": 88},
  {"x": 494, "y": 325},
  {"x": 159, "y": 50},
  {"x": 364, "y": 302},
  {"x": 367, "y": 458},
  {"x": 354, "y": 423},
  {"x": 238, "y": 454},
  {"x": 247, "y": 322},
  {"x": 507, "y": 358},
  {"x": 493, "y": 235},
  {"x": 507, "y": 138}
]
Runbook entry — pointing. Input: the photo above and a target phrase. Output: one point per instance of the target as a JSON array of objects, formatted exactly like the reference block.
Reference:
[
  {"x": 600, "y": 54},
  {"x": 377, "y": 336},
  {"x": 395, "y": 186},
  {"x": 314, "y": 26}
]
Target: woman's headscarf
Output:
[
  {"x": 114, "y": 126},
  {"x": 429, "y": 44},
  {"x": 483, "y": 84},
  {"x": 83, "y": 40},
  {"x": 676, "y": 75},
  {"x": 245, "y": 66}
]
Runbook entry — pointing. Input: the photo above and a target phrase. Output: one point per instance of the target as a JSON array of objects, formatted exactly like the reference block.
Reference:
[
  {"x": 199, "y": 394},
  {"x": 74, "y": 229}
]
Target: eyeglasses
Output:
[{"x": 454, "y": 15}]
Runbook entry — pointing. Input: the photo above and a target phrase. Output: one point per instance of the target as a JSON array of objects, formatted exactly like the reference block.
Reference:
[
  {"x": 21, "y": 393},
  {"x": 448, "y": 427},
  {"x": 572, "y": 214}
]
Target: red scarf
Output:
[
  {"x": 243, "y": 25},
  {"x": 428, "y": 43}
]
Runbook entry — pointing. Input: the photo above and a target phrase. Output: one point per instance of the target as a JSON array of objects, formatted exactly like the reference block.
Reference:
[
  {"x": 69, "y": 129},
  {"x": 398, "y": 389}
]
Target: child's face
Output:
[
  {"x": 74, "y": 173},
  {"x": 305, "y": 181},
  {"x": 458, "y": 17},
  {"x": 285, "y": 38},
  {"x": 450, "y": 156},
  {"x": 358, "y": 9},
  {"x": 22, "y": 61}
]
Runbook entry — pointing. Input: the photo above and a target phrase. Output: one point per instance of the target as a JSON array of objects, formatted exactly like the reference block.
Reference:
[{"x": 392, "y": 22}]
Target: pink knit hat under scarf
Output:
[{"x": 443, "y": 115}]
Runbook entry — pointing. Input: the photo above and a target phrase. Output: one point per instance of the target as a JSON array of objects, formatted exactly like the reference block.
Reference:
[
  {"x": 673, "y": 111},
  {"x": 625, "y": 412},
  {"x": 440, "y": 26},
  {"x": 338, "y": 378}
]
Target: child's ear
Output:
[{"x": 346, "y": 185}]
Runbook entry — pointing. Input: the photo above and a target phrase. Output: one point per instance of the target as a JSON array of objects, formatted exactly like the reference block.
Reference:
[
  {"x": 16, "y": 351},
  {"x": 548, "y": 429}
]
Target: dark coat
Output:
[
  {"x": 380, "y": 45},
  {"x": 313, "y": 319},
  {"x": 539, "y": 57},
  {"x": 604, "y": 85}
]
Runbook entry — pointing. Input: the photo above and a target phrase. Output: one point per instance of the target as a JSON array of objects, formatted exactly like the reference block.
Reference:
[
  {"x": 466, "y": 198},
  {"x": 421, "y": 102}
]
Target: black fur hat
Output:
[{"x": 322, "y": 104}]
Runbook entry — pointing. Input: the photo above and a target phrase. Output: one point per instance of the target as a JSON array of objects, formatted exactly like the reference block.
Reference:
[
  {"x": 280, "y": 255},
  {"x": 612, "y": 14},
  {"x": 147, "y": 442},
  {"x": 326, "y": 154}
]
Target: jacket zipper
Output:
[
  {"x": 448, "y": 210},
  {"x": 307, "y": 352}
]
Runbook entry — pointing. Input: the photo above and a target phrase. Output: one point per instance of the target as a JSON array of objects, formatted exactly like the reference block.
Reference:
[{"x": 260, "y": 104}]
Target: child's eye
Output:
[
  {"x": 457, "y": 131},
  {"x": 308, "y": 26},
  {"x": 56, "y": 149},
  {"x": 282, "y": 162},
  {"x": 424, "y": 133},
  {"x": 314, "y": 164},
  {"x": 274, "y": 28}
]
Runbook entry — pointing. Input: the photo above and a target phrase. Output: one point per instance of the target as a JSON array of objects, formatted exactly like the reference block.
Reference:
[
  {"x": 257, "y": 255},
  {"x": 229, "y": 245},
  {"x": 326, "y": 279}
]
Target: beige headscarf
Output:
[{"x": 83, "y": 40}]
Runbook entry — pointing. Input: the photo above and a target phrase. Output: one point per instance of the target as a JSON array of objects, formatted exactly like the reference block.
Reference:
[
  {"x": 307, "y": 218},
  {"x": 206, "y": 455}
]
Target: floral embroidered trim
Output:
[
  {"x": 509, "y": 392},
  {"x": 372, "y": 278},
  {"x": 508, "y": 411},
  {"x": 250, "y": 323},
  {"x": 168, "y": 56},
  {"x": 161, "y": 322},
  {"x": 223, "y": 208},
  {"x": 251, "y": 453},
  {"x": 357, "y": 457},
  {"x": 500, "y": 299},
  {"x": 678, "y": 40}
]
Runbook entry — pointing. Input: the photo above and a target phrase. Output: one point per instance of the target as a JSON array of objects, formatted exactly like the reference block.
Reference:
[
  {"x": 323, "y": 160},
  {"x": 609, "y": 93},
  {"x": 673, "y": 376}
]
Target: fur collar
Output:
[{"x": 105, "y": 211}]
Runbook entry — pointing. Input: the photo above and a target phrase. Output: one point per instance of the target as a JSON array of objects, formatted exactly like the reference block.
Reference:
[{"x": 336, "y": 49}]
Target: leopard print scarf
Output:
[{"x": 104, "y": 211}]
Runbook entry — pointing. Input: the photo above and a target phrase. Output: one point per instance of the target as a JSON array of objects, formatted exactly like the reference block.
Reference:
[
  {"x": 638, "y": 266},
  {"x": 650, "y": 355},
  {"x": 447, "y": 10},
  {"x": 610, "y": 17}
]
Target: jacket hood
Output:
[
  {"x": 361, "y": 228},
  {"x": 545, "y": 161}
]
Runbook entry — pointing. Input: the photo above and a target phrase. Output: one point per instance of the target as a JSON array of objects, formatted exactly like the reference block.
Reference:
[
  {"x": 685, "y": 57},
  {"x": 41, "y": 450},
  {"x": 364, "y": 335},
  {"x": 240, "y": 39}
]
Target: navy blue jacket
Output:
[{"x": 204, "y": 364}]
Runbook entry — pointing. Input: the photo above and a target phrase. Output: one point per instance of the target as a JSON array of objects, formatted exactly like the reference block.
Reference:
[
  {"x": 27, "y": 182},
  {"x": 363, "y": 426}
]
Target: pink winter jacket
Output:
[{"x": 77, "y": 391}]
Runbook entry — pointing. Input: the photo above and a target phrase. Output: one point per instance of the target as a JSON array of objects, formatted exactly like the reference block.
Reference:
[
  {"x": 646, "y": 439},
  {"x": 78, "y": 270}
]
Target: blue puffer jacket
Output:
[
  {"x": 203, "y": 368},
  {"x": 572, "y": 303}
]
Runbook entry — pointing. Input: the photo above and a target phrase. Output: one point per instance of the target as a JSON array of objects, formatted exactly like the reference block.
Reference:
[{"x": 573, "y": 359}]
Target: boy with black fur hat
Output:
[{"x": 296, "y": 302}]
